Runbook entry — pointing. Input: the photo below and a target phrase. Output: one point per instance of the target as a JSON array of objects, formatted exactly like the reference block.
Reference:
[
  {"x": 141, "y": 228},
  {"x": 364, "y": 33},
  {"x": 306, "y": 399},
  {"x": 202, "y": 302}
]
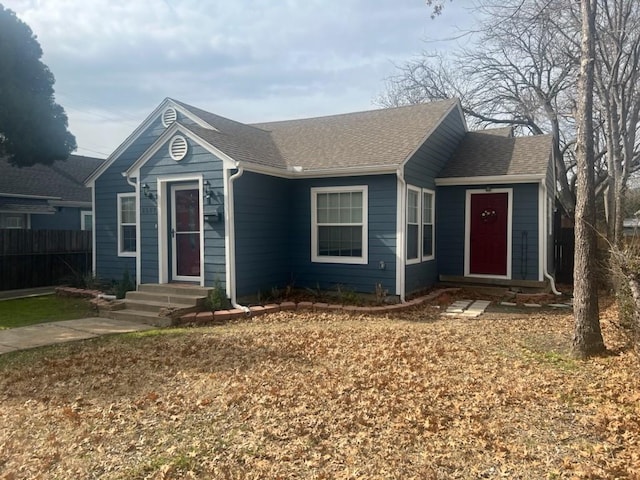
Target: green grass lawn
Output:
[{"x": 48, "y": 308}]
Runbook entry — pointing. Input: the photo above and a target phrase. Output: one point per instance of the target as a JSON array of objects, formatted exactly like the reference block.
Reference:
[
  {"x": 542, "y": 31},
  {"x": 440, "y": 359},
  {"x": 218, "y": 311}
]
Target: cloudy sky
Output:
[{"x": 249, "y": 60}]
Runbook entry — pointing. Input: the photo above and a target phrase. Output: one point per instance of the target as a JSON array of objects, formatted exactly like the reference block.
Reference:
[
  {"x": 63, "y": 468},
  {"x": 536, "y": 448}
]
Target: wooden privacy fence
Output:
[{"x": 39, "y": 258}]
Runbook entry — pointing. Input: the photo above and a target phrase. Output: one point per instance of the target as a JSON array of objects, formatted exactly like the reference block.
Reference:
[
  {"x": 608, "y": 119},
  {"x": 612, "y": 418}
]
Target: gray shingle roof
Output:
[
  {"x": 490, "y": 153},
  {"x": 384, "y": 137},
  {"x": 62, "y": 180}
]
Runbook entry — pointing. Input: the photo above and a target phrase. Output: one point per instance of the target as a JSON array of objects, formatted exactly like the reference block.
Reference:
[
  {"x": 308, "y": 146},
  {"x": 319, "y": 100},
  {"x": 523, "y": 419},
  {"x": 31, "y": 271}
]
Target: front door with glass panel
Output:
[{"x": 185, "y": 232}]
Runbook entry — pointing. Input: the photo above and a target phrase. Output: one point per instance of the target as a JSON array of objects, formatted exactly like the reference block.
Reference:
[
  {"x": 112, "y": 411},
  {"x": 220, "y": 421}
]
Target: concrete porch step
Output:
[
  {"x": 150, "y": 318},
  {"x": 155, "y": 306},
  {"x": 174, "y": 289},
  {"x": 168, "y": 299}
]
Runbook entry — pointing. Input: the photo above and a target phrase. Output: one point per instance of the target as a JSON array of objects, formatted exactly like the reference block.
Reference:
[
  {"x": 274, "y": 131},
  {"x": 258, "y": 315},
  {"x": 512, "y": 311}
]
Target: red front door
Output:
[
  {"x": 186, "y": 232},
  {"x": 488, "y": 236}
]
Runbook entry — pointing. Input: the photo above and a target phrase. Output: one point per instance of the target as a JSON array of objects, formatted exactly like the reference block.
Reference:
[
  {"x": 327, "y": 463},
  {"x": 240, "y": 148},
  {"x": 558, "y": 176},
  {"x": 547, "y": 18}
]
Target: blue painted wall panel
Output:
[
  {"x": 262, "y": 221},
  {"x": 421, "y": 171},
  {"x": 108, "y": 264},
  {"x": 450, "y": 231},
  {"x": 382, "y": 237},
  {"x": 198, "y": 162}
]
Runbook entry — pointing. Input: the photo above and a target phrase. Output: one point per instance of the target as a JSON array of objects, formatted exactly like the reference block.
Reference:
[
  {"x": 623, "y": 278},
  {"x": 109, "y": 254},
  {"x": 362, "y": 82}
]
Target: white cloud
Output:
[{"x": 252, "y": 60}]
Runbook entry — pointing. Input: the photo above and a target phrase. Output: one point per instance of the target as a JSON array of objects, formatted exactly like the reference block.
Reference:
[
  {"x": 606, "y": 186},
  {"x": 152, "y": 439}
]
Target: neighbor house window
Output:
[
  {"x": 420, "y": 224},
  {"x": 339, "y": 224},
  {"x": 126, "y": 224},
  {"x": 13, "y": 220},
  {"x": 86, "y": 220}
]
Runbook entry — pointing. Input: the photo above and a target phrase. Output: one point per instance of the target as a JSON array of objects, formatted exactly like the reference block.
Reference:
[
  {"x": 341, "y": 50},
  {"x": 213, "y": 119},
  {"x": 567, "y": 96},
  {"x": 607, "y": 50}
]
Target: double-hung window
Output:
[
  {"x": 339, "y": 224},
  {"x": 126, "y": 224},
  {"x": 420, "y": 224}
]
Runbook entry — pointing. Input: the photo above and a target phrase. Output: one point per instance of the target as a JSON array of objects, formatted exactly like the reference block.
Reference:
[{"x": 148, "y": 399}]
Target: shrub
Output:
[
  {"x": 217, "y": 298},
  {"x": 124, "y": 285}
]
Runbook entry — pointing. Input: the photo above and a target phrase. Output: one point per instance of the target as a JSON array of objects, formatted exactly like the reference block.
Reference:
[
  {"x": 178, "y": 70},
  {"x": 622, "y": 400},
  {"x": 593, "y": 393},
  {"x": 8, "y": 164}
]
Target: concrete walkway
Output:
[{"x": 22, "y": 338}]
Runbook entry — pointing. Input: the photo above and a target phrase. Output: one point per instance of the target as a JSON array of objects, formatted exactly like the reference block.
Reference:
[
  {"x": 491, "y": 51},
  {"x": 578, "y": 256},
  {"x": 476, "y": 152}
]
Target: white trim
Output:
[
  {"x": 433, "y": 225},
  {"x": 169, "y": 116},
  {"x": 176, "y": 127},
  {"x": 542, "y": 210},
  {"x": 69, "y": 203},
  {"x": 119, "y": 224},
  {"x": 290, "y": 173},
  {"x": 418, "y": 259},
  {"x": 174, "y": 244},
  {"x": 83, "y": 219},
  {"x": 400, "y": 237},
  {"x": 467, "y": 232},
  {"x": 94, "y": 254},
  {"x": 502, "y": 179},
  {"x": 364, "y": 259},
  {"x": 153, "y": 116},
  {"x": 163, "y": 224},
  {"x": 35, "y": 197},
  {"x": 178, "y": 148}
]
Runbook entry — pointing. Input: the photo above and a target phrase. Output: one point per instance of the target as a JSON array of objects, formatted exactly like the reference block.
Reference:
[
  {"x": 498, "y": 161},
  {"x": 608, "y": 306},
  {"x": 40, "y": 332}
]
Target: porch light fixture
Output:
[
  {"x": 146, "y": 191},
  {"x": 207, "y": 189}
]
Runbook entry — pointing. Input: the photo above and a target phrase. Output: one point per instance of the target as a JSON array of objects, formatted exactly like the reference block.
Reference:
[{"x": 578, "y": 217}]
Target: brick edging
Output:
[
  {"x": 222, "y": 316},
  {"x": 77, "y": 292}
]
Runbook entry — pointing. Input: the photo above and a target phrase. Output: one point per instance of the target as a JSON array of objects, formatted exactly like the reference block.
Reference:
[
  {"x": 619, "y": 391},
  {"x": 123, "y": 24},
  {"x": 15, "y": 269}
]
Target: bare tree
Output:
[
  {"x": 617, "y": 81},
  {"x": 587, "y": 337},
  {"x": 520, "y": 72}
]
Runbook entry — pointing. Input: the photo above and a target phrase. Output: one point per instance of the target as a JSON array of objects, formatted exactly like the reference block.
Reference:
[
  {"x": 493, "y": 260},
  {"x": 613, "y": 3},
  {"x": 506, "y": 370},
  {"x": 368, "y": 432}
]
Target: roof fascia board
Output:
[
  {"x": 320, "y": 173},
  {"x": 133, "y": 170},
  {"x": 70, "y": 203},
  {"x": 495, "y": 179},
  {"x": 167, "y": 102},
  {"x": 35, "y": 197},
  {"x": 455, "y": 106}
]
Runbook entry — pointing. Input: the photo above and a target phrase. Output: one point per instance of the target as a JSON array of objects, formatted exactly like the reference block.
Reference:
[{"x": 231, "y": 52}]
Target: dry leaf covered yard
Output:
[{"x": 325, "y": 396}]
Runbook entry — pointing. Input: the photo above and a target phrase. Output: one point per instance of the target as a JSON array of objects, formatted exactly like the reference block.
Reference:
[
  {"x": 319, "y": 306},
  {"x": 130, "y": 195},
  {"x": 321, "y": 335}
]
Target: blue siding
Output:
[
  {"x": 108, "y": 264},
  {"x": 262, "y": 220},
  {"x": 198, "y": 161},
  {"x": 450, "y": 232},
  {"x": 66, "y": 218},
  {"x": 382, "y": 237},
  {"x": 421, "y": 171}
]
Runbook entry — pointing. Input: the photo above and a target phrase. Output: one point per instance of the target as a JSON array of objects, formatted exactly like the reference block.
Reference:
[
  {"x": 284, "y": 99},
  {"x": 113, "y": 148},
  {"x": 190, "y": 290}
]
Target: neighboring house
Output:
[
  {"x": 395, "y": 197},
  {"x": 630, "y": 226},
  {"x": 47, "y": 197}
]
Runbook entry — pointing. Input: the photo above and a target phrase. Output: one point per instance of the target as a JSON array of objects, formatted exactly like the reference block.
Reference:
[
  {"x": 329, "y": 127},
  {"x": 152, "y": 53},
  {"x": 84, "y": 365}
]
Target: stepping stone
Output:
[
  {"x": 509, "y": 304},
  {"x": 532, "y": 305},
  {"x": 458, "y": 306},
  {"x": 560, "y": 305}
]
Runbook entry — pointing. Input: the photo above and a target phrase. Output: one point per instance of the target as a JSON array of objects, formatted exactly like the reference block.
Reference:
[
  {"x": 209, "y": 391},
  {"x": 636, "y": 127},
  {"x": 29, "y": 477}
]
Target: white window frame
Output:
[
  {"x": 122, "y": 253},
  {"x": 362, "y": 260},
  {"x": 421, "y": 257},
  {"x": 417, "y": 223},
  {"x": 84, "y": 225},
  {"x": 24, "y": 221},
  {"x": 426, "y": 191}
]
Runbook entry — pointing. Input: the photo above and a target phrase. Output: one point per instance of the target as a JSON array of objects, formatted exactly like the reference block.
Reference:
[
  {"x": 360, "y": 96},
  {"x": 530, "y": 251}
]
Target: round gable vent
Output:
[
  {"x": 169, "y": 116},
  {"x": 178, "y": 147}
]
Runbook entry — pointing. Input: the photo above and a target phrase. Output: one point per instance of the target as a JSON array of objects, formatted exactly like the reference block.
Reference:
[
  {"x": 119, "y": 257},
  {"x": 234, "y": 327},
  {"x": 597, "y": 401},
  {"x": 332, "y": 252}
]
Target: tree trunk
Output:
[{"x": 587, "y": 337}]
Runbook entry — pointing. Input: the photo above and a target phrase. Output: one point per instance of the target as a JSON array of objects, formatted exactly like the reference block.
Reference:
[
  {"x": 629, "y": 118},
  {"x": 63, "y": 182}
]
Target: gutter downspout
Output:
[
  {"x": 545, "y": 222},
  {"x": 232, "y": 244},
  {"x": 400, "y": 240}
]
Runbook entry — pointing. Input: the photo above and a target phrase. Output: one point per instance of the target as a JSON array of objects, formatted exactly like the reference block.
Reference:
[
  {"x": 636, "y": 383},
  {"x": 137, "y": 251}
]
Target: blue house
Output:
[
  {"x": 396, "y": 198},
  {"x": 47, "y": 197}
]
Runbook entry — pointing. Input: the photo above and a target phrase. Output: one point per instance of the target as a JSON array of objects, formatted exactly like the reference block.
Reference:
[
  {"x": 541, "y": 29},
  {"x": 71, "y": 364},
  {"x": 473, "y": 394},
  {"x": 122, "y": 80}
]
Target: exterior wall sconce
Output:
[
  {"x": 146, "y": 191},
  {"x": 207, "y": 189}
]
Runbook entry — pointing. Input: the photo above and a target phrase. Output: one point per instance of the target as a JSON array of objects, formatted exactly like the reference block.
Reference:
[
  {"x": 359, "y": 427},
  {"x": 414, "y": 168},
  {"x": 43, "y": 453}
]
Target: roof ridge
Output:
[
  {"x": 359, "y": 112},
  {"x": 191, "y": 108}
]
